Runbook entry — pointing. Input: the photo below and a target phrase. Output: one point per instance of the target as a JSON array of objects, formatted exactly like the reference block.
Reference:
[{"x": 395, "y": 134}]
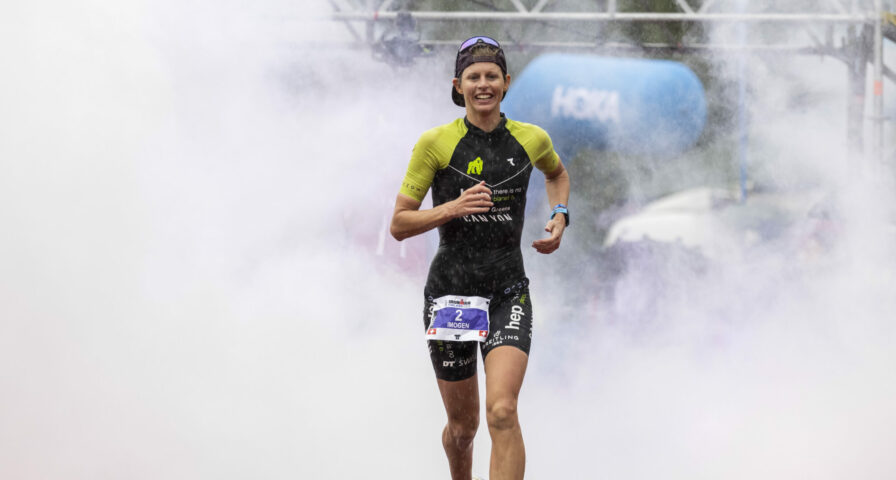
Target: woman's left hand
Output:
[{"x": 555, "y": 227}]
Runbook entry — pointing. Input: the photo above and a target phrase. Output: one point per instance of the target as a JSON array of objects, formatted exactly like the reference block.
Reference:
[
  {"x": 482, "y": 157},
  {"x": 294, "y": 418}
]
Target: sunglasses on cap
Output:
[{"x": 474, "y": 40}]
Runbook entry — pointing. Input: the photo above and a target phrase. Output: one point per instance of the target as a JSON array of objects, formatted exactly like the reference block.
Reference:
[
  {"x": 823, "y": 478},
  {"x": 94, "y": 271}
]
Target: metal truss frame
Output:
[
  {"x": 861, "y": 19},
  {"x": 828, "y": 12}
]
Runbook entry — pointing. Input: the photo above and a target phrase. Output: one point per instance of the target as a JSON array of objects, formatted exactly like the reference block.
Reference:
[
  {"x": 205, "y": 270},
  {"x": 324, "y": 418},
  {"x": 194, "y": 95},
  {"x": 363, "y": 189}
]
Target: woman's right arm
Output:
[{"x": 408, "y": 220}]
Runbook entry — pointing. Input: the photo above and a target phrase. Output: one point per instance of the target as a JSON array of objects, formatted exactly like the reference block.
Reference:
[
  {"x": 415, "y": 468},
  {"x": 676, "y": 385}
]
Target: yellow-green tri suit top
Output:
[{"x": 480, "y": 252}]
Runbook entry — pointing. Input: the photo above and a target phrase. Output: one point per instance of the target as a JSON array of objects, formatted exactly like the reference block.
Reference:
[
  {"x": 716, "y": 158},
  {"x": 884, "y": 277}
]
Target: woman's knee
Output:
[
  {"x": 501, "y": 413},
  {"x": 463, "y": 429}
]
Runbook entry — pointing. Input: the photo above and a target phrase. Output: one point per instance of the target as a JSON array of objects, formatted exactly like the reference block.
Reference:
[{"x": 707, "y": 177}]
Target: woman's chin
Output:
[{"x": 481, "y": 107}]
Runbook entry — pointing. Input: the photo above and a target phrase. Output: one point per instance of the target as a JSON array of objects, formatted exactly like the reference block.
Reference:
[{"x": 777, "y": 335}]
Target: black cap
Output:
[{"x": 465, "y": 58}]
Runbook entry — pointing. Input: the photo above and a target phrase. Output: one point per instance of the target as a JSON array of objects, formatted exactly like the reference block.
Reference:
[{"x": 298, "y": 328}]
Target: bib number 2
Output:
[{"x": 459, "y": 319}]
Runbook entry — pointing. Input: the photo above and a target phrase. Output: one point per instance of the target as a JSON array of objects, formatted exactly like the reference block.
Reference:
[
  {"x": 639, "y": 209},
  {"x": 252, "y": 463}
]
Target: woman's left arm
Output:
[{"x": 556, "y": 183}]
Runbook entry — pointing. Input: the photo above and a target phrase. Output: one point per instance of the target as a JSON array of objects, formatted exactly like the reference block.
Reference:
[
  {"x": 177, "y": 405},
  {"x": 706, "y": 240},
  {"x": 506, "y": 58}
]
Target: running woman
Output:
[{"x": 477, "y": 295}]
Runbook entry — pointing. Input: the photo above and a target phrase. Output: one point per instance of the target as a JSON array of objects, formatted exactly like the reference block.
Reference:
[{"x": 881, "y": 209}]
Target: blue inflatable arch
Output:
[{"x": 625, "y": 105}]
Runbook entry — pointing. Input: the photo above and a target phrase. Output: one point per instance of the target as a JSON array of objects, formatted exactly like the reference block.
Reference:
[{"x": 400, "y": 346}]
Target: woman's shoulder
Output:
[
  {"x": 526, "y": 130},
  {"x": 441, "y": 133}
]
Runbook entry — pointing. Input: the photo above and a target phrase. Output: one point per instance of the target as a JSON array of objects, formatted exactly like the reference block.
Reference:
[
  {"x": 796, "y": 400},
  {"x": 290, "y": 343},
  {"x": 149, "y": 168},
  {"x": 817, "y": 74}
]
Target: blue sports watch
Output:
[{"x": 561, "y": 208}]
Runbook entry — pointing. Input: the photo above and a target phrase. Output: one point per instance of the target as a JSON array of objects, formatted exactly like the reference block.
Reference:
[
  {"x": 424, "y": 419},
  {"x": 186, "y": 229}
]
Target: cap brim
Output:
[{"x": 458, "y": 98}]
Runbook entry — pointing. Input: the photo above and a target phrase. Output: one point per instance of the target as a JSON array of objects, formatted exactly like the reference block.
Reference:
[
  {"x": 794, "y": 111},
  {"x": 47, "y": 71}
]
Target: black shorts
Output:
[{"x": 510, "y": 323}]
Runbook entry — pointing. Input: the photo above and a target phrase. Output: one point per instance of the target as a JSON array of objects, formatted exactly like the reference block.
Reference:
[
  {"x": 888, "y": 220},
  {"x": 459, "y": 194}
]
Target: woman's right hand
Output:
[{"x": 476, "y": 199}]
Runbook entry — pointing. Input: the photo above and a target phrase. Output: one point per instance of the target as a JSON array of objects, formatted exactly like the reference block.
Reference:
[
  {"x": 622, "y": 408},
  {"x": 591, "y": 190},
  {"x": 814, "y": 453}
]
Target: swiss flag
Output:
[
  {"x": 483, "y": 333},
  {"x": 432, "y": 331}
]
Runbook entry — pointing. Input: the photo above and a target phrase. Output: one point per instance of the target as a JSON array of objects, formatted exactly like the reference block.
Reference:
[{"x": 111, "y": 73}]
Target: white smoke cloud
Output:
[{"x": 192, "y": 196}]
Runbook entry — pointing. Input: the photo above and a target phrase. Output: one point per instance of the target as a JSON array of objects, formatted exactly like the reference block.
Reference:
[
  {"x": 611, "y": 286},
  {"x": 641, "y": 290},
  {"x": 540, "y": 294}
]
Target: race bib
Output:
[{"x": 458, "y": 319}]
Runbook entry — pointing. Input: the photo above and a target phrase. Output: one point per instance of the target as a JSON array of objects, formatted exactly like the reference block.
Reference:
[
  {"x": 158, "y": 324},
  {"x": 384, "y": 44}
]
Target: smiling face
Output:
[{"x": 483, "y": 85}]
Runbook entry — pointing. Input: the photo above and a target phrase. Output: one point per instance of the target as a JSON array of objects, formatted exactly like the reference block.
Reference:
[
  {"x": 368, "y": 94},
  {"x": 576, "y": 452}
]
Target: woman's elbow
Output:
[{"x": 397, "y": 234}]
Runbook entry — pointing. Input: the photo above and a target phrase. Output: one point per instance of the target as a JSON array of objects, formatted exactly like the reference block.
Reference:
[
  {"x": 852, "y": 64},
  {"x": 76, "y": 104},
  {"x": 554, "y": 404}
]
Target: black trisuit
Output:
[{"x": 479, "y": 255}]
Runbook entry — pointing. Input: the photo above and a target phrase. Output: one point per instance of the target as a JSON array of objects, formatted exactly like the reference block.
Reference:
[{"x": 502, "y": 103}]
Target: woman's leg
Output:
[
  {"x": 461, "y": 399},
  {"x": 505, "y": 367}
]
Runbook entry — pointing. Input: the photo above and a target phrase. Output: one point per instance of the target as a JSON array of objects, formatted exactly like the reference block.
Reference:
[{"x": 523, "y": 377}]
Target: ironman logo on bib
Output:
[{"x": 459, "y": 319}]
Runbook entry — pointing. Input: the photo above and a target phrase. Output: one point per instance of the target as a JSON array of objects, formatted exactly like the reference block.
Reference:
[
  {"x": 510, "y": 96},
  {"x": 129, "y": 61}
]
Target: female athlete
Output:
[{"x": 477, "y": 293}]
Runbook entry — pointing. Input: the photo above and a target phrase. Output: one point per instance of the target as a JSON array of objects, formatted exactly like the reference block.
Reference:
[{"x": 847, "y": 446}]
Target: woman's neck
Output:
[{"x": 486, "y": 122}]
